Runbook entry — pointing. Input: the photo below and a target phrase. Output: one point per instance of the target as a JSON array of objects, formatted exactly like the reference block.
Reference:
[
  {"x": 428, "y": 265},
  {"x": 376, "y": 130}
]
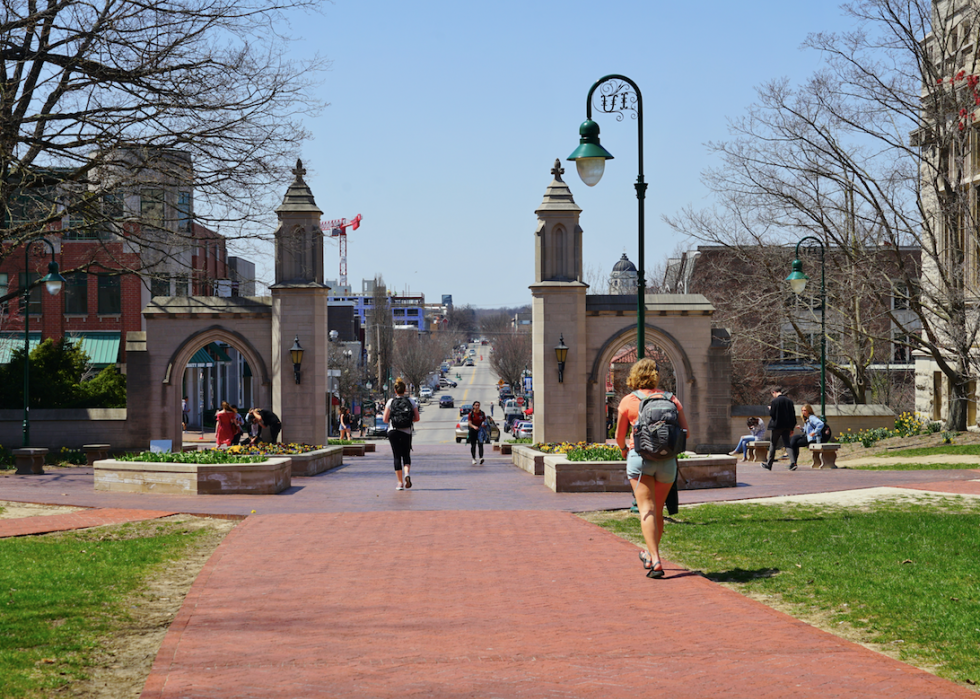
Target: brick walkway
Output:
[
  {"x": 488, "y": 604},
  {"x": 84, "y": 519}
]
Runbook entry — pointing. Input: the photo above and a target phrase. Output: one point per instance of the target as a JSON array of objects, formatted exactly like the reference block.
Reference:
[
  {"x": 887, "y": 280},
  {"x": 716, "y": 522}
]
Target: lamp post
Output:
[
  {"x": 618, "y": 94},
  {"x": 53, "y": 283},
  {"x": 331, "y": 337},
  {"x": 797, "y": 282},
  {"x": 296, "y": 354}
]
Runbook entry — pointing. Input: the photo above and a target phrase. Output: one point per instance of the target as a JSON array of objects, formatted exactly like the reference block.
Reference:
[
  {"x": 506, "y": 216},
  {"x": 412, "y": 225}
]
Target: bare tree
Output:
[
  {"x": 417, "y": 356},
  {"x": 511, "y": 356},
  {"x": 381, "y": 331},
  {"x": 834, "y": 159},
  {"x": 104, "y": 101},
  {"x": 494, "y": 325}
]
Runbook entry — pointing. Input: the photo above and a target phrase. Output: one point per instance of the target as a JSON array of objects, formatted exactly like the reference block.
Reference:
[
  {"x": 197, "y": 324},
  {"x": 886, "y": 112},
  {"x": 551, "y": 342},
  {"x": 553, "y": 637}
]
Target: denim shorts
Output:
[{"x": 662, "y": 471}]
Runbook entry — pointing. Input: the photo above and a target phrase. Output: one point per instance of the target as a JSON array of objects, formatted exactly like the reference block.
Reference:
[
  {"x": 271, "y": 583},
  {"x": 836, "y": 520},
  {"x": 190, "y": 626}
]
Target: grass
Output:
[
  {"x": 61, "y": 592},
  {"x": 910, "y": 466},
  {"x": 905, "y": 576},
  {"x": 950, "y": 450}
]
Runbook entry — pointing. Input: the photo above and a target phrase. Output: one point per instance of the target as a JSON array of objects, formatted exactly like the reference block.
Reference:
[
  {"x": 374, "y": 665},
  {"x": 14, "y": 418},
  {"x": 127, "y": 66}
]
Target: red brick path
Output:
[
  {"x": 82, "y": 519},
  {"x": 952, "y": 487},
  {"x": 487, "y": 604}
]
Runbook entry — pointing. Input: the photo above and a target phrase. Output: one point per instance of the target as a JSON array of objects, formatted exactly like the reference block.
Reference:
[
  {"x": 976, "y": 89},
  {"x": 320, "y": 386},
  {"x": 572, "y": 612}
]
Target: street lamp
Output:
[
  {"x": 296, "y": 354},
  {"x": 331, "y": 337},
  {"x": 561, "y": 353},
  {"x": 616, "y": 97},
  {"x": 53, "y": 283},
  {"x": 797, "y": 282}
]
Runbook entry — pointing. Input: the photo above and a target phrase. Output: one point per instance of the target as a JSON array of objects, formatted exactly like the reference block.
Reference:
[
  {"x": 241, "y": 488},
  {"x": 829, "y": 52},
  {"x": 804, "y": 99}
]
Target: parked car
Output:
[
  {"x": 425, "y": 394},
  {"x": 444, "y": 383},
  {"x": 463, "y": 430},
  {"x": 505, "y": 395},
  {"x": 465, "y": 409},
  {"x": 523, "y": 429},
  {"x": 378, "y": 429},
  {"x": 446, "y": 402},
  {"x": 510, "y": 419},
  {"x": 469, "y": 362}
]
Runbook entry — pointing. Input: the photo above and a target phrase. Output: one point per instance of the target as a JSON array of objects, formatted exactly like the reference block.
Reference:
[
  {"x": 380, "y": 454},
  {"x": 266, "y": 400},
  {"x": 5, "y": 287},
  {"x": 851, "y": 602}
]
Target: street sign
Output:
[{"x": 520, "y": 400}]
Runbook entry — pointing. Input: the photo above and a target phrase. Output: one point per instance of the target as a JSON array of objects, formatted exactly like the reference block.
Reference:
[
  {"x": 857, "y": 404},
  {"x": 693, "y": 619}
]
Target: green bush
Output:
[
  {"x": 596, "y": 453},
  {"x": 56, "y": 379},
  {"x": 211, "y": 456}
]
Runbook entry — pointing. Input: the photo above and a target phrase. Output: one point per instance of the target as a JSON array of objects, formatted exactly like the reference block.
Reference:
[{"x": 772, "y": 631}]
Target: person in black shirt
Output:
[
  {"x": 782, "y": 422},
  {"x": 266, "y": 418}
]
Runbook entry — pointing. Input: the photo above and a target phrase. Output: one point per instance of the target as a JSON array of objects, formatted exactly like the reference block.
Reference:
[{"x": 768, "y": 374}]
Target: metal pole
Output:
[
  {"x": 27, "y": 355},
  {"x": 641, "y": 188},
  {"x": 823, "y": 322}
]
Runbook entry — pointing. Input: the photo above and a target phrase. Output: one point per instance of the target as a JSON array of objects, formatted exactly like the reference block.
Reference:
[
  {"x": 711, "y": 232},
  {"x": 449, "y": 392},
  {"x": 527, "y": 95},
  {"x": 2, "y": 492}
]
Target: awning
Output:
[
  {"x": 218, "y": 352},
  {"x": 247, "y": 370},
  {"x": 200, "y": 360},
  {"x": 102, "y": 348},
  {"x": 10, "y": 341}
]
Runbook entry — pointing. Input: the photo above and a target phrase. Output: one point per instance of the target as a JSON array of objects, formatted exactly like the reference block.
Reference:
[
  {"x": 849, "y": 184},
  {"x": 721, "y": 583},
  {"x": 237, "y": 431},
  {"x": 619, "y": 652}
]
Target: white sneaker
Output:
[
  {"x": 474, "y": 462},
  {"x": 400, "y": 487}
]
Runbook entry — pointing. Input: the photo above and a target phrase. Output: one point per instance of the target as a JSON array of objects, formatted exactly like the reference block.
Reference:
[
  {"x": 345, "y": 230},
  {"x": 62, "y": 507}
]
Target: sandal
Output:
[
  {"x": 656, "y": 574},
  {"x": 647, "y": 560}
]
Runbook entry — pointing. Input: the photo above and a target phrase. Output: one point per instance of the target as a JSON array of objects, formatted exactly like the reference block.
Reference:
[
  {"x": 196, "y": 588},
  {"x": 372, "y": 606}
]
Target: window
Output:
[
  {"x": 151, "y": 207},
  {"x": 76, "y": 294},
  {"x": 4, "y": 281},
  {"x": 160, "y": 287},
  {"x": 35, "y": 303},
  {"x": 110, "y": 295},
  {"x": 901, "y": 351},
  {"x": 795, "y": 350},
  {"x": 113, "y": 210},
  {"x": 900, "y": 296},
  {"x": 182, "y": 286},
  {"x": 185, "y": 211}
]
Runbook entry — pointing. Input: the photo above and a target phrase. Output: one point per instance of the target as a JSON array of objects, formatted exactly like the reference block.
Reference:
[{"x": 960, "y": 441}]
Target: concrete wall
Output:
[
  {"x": 840, "y": 417},
  {"x": 55, "y": 429}
]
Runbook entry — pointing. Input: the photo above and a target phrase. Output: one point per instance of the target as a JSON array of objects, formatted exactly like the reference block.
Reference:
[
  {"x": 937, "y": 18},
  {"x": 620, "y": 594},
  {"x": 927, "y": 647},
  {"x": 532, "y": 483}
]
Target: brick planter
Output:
[
  {"x": 354, "y": 449},
  {"x": 370, "y": 447},
  {"x": 505, "y": 449},
  {"x": 702, "y": 471},
  {"x": 263, "y": 478},
  {"x": 314, "y": 462},
  {"x": 528, "y": 459}
]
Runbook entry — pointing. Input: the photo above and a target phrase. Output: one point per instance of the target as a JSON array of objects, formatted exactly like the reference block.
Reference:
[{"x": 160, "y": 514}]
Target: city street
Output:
[{"x": 475, "y": 383}]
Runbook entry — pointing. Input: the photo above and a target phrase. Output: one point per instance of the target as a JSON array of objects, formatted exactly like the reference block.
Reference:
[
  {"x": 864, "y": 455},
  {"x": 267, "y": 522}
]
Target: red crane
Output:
[{"x": 338, "y": 229}]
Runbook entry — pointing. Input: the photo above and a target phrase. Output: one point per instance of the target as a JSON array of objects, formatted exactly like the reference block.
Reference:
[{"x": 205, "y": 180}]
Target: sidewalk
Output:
[{"x": 488, "y": 604}]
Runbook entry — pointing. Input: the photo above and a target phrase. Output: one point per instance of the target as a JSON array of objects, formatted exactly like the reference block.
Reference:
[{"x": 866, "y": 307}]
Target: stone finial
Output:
[
  {"x": 558, "y": 170},
  {"x": 300, "y": 170}
]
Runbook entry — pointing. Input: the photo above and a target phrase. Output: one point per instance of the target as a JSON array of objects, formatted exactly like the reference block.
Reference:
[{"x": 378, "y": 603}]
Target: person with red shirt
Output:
[{"x": 477, "y": 417}]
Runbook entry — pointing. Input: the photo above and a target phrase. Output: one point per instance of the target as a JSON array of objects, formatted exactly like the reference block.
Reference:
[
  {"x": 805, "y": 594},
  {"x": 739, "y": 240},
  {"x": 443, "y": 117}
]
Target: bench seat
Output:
[{"x": 824, "y": 455}]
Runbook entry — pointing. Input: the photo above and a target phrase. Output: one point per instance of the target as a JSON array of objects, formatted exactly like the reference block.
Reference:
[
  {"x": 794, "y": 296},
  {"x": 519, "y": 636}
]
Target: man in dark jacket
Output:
[
  {"x": 782, "y": 422},
  {"x": 266, "y": 418}
]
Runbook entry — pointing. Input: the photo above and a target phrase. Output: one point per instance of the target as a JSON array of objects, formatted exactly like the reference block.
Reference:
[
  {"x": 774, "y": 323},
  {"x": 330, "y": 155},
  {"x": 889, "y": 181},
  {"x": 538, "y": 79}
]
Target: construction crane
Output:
[{"x": 337, "y": 228}]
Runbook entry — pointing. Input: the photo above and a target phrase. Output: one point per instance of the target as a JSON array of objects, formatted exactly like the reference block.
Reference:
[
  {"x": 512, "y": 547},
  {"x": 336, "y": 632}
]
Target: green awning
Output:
[
  {"x": 247, "y": 370},
  {"x": 102, "y": 348},
  {"x": 10, "y": 341},
  {"x": 200, "y": 360},
  {"x": 218, "y": 352}
]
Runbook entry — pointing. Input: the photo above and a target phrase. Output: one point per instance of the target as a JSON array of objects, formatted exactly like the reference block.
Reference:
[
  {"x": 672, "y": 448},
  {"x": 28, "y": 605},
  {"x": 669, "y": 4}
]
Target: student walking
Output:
[
  {"x": 400, "y": 412},
  {"x": 477, "y": 418},
  {"x": 782, "y": 422}
]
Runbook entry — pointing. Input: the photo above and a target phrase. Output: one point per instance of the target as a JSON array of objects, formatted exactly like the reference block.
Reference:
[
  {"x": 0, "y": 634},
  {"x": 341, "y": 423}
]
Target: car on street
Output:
[
  {"x": 378, "y": 429},
  {"x": 446, "y": 402},
  {"x": 446, "y": 383},
  {"x": 505, "y": 395},
  {"x": 463, "y": 430},
  {"x": 425, "y": 394},
  {"x": 469, "y": 362},
  {"x": 465, "y": 409},
  {"x": 523, "y": 429}
]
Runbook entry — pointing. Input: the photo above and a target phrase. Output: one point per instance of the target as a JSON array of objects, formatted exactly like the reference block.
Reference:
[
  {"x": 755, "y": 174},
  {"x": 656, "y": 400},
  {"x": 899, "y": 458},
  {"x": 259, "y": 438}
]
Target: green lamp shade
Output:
[
  {"x": 53, "y": 281},
  {"x": 590, "y": 157},
  {"x": 797, "y": 280}
]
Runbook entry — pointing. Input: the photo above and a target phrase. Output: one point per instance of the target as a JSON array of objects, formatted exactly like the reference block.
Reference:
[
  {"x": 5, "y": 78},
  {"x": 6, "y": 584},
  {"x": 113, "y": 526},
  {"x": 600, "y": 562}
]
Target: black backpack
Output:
[
  {"x": 401, "y": 413},
  {"x": 657, "y": 434},
  {"x": 826, "y": 434}
]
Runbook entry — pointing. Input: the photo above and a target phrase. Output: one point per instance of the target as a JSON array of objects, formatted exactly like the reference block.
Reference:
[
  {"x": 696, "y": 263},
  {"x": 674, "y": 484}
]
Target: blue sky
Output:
[{"x": 445, "y": 118}]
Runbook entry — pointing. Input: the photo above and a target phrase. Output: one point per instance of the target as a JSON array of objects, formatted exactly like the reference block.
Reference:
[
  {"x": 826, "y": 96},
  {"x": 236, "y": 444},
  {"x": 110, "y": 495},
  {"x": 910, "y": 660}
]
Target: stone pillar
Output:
[
  {"x": 558, "y": 311},
  {"x": 299, "y": 311}
]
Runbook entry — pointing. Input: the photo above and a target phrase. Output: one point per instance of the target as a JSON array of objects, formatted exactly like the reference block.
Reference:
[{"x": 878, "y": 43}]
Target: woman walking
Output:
[
  {"x": 477, "y": 418},
  {"x": 400, "y": 412},
  {"x": 651, "y": 480},
  {"x": 227, "y": 424},
  {"x": 345, "y": 424}
]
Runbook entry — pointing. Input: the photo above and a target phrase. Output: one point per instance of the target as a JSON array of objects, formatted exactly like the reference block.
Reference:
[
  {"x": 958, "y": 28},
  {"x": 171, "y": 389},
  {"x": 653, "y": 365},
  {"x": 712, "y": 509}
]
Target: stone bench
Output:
[
  {"x": 757, "y": 450},
  {"x": 370, "y": 447},
  {"x": 95, "y": 452},
  {"x": 30, "y": 460},
  {"x": 354, "y": 449},
  {"x": 824, "y": 455}
]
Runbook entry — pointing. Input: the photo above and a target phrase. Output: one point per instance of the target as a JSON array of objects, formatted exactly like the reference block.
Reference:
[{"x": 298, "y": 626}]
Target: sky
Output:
[{"x": 445, "y": 119}]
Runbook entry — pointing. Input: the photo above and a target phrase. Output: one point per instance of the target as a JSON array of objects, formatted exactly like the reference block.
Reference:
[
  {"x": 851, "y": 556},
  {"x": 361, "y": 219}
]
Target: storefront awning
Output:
[
  {"x": 218, "y": 352},
  {"x": 200, "y": 360},
  {"x": 102, "y": 348},
  {"x": 11, "y": 341}
]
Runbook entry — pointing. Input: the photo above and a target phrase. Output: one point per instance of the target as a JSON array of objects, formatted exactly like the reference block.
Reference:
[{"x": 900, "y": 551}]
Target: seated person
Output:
[
  {"x": 265, "y": 419},
  {"x": 757, "y": 430},
  {"x": 812, "y": 426}
]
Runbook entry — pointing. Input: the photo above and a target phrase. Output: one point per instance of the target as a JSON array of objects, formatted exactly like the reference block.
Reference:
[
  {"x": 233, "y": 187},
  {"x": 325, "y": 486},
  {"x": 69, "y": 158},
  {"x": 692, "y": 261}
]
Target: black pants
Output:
[
  {"x": 797, "y": 442},
  {"x": 784, "y": 435},
  {"x": 474, "y": 440},
  {"x": 401, "y": 448}
]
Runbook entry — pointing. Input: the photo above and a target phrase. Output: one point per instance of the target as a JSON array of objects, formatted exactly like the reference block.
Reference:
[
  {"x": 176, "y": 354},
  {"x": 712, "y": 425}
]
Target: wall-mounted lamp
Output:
[
  {"x": 561, "y": 353},
  {"x": 296, "y": 352}
]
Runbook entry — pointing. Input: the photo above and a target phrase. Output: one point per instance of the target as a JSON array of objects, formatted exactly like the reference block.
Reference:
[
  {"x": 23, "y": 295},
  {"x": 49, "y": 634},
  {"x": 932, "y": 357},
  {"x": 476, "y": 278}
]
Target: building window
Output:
[
  {"x": 901, "y": 348},
  {"x": 76, "y": 293},
  {"x": 795, "y": 350},
  {"x": 900, "y": 297},
  {"x": 160, "y": 287},
  {"x": 185, "y": 211},
  {"x": 4, "y": 282},
  {"x": 151, "y": 207},
  {"x": 110, "y": 295},
  {"x": 26, "y": 280},
  {"x": 182, "y": 286}
]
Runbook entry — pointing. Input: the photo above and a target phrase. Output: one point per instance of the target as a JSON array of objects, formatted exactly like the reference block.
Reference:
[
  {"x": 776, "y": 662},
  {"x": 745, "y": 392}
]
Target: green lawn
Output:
[
  {"x": 903, "y": 575},
  {"x": 61, "y": 592},
  {"x": 918, "y": 452}
]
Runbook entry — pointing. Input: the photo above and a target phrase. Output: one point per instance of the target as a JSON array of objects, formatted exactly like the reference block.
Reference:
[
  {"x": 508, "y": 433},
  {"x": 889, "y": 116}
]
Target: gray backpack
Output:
[{"x": 657, "y": 433}]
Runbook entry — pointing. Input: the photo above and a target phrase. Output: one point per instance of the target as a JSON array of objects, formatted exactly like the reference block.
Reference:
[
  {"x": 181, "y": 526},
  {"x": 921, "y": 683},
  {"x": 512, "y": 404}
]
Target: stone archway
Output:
[{"x": 595, "y": 326}]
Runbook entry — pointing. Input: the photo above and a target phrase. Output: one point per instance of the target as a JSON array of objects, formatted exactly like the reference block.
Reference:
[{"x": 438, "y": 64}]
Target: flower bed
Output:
[
  {"x": 208, "y": 456},
  {"x": 266, "y": 476},
  {"x": 271, "y": 449}
]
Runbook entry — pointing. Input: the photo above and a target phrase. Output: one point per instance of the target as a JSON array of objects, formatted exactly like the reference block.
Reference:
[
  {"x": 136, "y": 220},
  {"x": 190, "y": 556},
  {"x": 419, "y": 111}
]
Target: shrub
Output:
[
  {"x": 209, "y": 456},
  {"x": 596, "y": 452}
]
